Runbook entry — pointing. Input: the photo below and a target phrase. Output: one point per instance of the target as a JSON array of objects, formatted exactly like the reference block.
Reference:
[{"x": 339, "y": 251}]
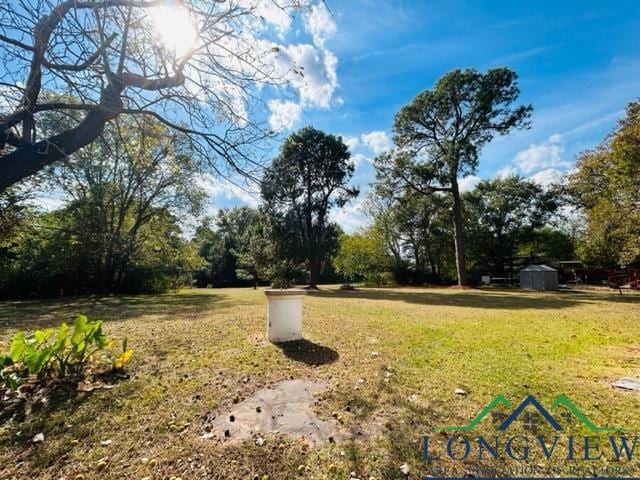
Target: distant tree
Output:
[
  {"x": 606, "y": 188},
  {"x": 112, "y": 59},
  {"x": 215, "y": 245},
  {"x": 14, "y": 213},
  {"x": 135, "y": 174},
  {"x": 503, "y": 214},
  {"x": 308, "y": 178},
  {"x": 255, "y": 249},
  {"x": 416, "y": 229},
  {"x": 361, "y": 255},
  {"x": 441, "y": 132},
  {"x": 554, "y": 243}
]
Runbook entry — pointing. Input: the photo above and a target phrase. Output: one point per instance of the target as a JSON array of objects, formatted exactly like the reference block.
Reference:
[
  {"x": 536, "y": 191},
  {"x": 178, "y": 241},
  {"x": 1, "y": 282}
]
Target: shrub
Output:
[{"x": 65, "y": 352}]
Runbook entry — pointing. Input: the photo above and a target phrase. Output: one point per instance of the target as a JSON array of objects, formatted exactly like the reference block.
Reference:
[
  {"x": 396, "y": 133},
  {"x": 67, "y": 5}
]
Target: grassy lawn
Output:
[{"x": 392, "y": 358}]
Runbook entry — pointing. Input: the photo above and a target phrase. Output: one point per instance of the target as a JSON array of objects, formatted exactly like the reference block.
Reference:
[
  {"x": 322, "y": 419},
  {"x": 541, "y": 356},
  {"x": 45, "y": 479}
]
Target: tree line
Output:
[{"x": 123, "y": 200}]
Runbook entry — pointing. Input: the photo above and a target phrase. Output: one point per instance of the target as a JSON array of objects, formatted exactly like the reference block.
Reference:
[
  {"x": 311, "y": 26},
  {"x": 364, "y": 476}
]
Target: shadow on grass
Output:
[
  {"x": 308, "y": 352},
  {"x": 32, "y": 314},
  {"x": 490, "y": 299}
]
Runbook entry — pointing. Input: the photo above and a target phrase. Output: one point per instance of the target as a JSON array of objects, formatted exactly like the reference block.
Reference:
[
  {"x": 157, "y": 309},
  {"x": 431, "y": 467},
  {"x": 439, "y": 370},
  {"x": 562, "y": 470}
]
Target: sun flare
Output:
[{"x": 175, "y": 27}]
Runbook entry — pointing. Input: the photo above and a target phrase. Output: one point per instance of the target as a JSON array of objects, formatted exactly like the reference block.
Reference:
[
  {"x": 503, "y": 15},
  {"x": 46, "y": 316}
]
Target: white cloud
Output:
[
  {"x": 468, "y": 183},
  {"x": 320, "y": 24},
  {"x": 542, "y": 156},
  {"x": 359, "y": 159},
  {"x": 547, "y": 177},
  {"x": 284, "y": 115},
  {"x": 351, "y": 142},
  {"x": 351, "y": 217},
  {"x": 312, "y": 72},
  {"x": 278, "y": 18},
  {"x": 225, "y": 188},
  {"x": 506, "y": 172},
  {"x": 377, "y": 141}
]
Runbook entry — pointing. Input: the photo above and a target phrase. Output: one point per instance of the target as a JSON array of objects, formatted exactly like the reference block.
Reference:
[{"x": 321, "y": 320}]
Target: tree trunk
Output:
[
  {"x": 314, "y": 272},
  {"x": 458, "y": 235}
]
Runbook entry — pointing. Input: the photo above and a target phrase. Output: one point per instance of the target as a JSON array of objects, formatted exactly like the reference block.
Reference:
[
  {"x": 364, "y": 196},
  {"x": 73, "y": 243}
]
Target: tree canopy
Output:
[
  {"x": 606, "y": 188},
  {"x": 440, "y": 134},
  {"x": 106, "y": 58},
  {"x": 303, "y": 183}
]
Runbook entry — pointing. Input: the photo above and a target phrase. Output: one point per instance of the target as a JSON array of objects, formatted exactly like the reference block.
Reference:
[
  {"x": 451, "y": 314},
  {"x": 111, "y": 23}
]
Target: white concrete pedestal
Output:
[{"x": 284, "y": 314}]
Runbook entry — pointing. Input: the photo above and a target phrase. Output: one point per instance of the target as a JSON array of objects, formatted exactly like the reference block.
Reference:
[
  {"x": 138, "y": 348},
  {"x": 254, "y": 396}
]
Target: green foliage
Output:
[
  {"x": 415, "y": 230},
  {"x": 606, "y": 187},
  {"x": 361, "y": 256},
  {"x": 442, "y": 132},
  {"x": 64, "y": 352},
  {"x": 502, "y": 215},
  {"x": 118, "y": 229},
  {"x": 309, "y": 176}
]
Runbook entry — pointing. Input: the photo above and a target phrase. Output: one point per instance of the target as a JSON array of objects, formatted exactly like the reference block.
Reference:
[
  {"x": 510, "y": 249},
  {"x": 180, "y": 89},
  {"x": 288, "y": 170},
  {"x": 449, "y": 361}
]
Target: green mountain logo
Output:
[{"x": 531, "y": 421}]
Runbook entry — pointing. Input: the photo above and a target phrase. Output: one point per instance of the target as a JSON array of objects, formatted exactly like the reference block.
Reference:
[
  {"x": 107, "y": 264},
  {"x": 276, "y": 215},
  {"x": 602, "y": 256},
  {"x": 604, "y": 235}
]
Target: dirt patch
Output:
[{"x": 284, "y": 408}]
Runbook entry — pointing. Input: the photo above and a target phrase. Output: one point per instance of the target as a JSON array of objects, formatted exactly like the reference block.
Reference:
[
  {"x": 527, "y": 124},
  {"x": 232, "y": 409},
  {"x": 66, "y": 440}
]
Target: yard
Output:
[{"x": 398, "y": 363}]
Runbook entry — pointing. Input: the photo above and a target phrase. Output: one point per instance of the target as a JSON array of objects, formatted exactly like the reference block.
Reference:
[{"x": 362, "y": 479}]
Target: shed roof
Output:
[{"x": 538, "y": 268}]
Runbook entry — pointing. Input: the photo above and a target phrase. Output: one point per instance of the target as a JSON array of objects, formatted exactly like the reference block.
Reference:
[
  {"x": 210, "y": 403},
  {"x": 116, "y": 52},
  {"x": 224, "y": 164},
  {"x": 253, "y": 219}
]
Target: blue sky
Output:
[{"x": 578, "y": 63}]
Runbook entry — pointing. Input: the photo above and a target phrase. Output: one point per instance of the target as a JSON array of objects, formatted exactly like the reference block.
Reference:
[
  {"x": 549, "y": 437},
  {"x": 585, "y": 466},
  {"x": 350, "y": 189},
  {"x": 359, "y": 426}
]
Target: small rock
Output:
[
  {"x": 374, "y": 354},
  {"x": 207, "y": 436},
  {"x": 106, "y": 443},
  {"x": 404, "y": 468},
  {"x": 260, "y": 441},
  {"x": 227, "y": 433},
  {"x": 258, "y": 409},
  {"x": 38, "y": 438},
  {"x": 460, "y": 391}
]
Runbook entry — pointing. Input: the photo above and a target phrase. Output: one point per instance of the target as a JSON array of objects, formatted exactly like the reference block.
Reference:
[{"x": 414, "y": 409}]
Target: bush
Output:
[
  {"x": 146, "y": 280},
  {"x": 65, "y": 352},
  {"x": 382, "y": 279}
]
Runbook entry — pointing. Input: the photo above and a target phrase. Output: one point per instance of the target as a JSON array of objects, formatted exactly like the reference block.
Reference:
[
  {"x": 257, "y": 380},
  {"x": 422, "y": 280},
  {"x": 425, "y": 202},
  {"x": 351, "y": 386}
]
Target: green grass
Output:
[{"x": 194, "y": 351}]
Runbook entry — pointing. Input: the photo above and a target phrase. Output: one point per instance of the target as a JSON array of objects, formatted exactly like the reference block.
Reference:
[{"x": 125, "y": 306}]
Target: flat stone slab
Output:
[
  {"x": 283, "y": 408},
  {"x": 628, "y": 383}
]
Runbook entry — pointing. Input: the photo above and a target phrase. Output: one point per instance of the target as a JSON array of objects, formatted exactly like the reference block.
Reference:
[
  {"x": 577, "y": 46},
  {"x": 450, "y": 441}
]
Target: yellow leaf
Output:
[{"x": 123, "y": 359}]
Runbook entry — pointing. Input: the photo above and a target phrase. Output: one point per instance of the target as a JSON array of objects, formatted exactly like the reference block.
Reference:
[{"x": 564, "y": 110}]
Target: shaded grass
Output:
[{"x": 392, "y": 358}]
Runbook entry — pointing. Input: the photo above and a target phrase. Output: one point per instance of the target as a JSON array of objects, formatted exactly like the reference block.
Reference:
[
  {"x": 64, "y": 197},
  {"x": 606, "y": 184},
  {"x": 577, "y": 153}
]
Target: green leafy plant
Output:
[{"x": 64, "y": 352}]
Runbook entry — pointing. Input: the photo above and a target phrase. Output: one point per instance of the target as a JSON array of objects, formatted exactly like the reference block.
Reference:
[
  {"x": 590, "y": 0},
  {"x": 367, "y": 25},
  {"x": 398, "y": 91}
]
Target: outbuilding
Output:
[{"x": 538, "y": 277}]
